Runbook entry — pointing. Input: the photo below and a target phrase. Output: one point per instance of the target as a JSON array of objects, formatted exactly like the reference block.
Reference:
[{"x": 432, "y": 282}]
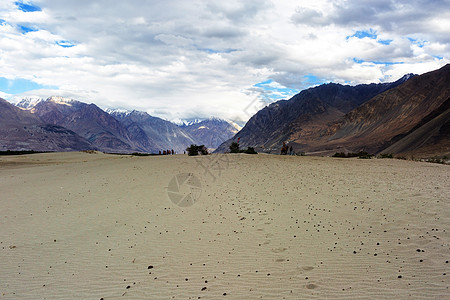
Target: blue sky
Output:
[
  {"x": 27, "y": 6},
  {"x": 18, "y": 86},
  {"x": 192, "y": 59}
]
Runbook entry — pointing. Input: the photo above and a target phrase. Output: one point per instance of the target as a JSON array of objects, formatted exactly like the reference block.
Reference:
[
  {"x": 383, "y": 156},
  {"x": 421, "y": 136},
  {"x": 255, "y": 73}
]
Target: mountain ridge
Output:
[
  {"x": 409, "y": 116},
  {"x": 304, "y": 113},
  {"x": 22, "y": 130}
]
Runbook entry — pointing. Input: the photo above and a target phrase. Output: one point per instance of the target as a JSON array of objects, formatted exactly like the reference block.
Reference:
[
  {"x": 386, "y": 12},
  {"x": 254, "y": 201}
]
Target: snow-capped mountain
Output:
[
  {"x": 407, "y": 76},
  {"x": 122, "y": 130},
  {"x": 118, "y": 112},
  {"x": 185, "y": 123},
  {"x": 63, "y": 100},
  {"x": 29, "y": 102},
  {"x": 22, "y": 130},
  {"x": 32, "y": 101},
  {"x": 154, "y": 133},
  {"x": 211, "y": 132}
]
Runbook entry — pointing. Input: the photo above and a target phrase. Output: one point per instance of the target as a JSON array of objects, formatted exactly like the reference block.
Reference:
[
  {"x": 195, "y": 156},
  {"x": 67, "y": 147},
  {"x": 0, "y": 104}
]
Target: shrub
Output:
[
  {"x": 234, "y": 147},
  {"x": 249, "y": 150},
  {"x": 339, "y": 154},
  {"x": 364, "y": 155},
  {"x": 386, "y": 155},
  {"x": 203, "y": 150},
  {"x": 194, "y": 150},
  {"x": 360, "y": 154}
]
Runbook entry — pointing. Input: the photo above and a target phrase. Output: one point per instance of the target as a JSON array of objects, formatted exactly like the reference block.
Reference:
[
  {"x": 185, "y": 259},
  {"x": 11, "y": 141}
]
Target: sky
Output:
[{"x": 181, "y": 60}]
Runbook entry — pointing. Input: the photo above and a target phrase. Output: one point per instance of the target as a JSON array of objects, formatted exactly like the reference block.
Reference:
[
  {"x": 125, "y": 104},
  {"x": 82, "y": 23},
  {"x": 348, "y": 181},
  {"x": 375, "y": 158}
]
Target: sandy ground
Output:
[{"x": 96, "y": 226}]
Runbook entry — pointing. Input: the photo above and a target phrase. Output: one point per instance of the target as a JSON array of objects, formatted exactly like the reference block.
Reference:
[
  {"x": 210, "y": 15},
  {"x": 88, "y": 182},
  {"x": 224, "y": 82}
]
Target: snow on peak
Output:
[
  {"x": 192, "y": 122},
  {"x": 117, "y": 111},
  {"x": 407, "y": 76},
  {"x": 61, "y": 100},
  {"x": 139, "y": 112},
  {"x": 29, "y": 102}
]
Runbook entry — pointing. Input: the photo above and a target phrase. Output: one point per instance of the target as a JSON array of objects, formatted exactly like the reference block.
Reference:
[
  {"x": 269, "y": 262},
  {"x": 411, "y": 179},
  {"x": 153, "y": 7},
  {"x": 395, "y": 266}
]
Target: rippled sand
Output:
[{"x": 92, "y": 226}]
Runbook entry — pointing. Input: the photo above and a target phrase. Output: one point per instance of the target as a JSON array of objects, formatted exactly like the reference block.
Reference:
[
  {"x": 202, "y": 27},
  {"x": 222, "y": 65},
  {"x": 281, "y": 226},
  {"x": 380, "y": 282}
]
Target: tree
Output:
[
  {"x": 234, "y": 147},
  {"x": 193, "y": 150},
  {"x": 250, "y": 150},
  {"x": 203, "y": 150}
]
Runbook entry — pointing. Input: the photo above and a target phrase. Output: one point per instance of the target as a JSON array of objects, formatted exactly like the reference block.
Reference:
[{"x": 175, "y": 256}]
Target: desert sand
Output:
[{"x": 97, "y": 226}]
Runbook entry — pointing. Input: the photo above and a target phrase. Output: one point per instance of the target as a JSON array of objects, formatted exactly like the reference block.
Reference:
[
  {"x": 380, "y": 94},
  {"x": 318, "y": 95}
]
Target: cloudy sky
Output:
[{"x": 180, "y": 59}]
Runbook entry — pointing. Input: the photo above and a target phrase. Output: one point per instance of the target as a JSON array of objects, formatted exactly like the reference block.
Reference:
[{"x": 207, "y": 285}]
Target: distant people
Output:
[
  {"x": 164, "y": 152},
  {"x": 291, "y": 151},
  {"x": 159, "y": 152},
  {"x": 284, "y": 149},
  {"x": 173, "y": 152}
]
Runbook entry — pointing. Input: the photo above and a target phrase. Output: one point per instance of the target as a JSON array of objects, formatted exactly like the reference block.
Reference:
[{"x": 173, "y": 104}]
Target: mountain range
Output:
[
  {"x": 410, "y": 116},
  {"x": 61, "y": 124},
  {"x": 22, "y": 130},
  {"x": 406, "y": 117}
]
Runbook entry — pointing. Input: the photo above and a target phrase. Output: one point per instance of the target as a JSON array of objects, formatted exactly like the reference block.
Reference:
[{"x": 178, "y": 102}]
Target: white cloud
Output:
[
  {"x": 184, "y": 59},
  {"x": 5, "y": 96}
]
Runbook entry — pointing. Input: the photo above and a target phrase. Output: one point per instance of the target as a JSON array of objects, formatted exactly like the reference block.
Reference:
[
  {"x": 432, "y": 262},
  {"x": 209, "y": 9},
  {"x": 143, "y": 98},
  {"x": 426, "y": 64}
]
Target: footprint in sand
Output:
[
  {"x": 307, "y": 268},
  {"x": 279, "y": 250},
  {"x": 280, "y": 260},
  {"x": 311, "y": 286}
]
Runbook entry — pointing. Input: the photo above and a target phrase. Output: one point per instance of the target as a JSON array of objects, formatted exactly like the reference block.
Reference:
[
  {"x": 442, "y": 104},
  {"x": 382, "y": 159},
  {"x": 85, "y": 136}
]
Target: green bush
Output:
[
  {"x": 203, "y": 150},
  {"x": 340, "y": 154},
  {"x": 386, "y": 155},
  {"x": 249, "y": 150},
  {"x": 360, "y": 154},
  {"x": 194, "y": 150},
  {"x": 234, "y": 147},
  {"x": 364, "y": 155}
]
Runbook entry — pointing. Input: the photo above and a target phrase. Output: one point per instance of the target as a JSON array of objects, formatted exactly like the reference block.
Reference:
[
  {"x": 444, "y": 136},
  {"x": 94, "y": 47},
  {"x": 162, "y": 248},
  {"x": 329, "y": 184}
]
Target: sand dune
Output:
[{"x": 96, "y": 226}]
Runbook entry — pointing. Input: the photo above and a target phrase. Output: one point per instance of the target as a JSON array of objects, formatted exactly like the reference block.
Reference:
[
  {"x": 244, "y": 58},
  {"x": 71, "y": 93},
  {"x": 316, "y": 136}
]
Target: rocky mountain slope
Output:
[
  {"x": 101, "y": 129},
  {"x": 394, "y": 114},
  {"x": 408, "y": 117},
  {"x": 121, "y": 130},
  {"x": 300, "y": 118},
  {"x": 22, "y": 130},
  {"x": 152, "y": 133},
  {"x": 430, "y": 137},
  {"x": 211, "y": 132}
]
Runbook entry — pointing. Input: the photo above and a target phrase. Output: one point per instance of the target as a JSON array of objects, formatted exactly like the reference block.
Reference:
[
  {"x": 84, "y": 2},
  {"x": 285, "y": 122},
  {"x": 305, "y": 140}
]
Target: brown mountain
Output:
[
  {"x": 89, "y": 121},
  {"x": 301, "y": 119},
  {"x": 392, "y": 116},
  {"x": 431, "y": 137},
  {"x": 54, "y": 109},
  {"x": 409, "y": 116},
  {"x": 101, "y": 129},
  {"x": 21, "y": 130}
]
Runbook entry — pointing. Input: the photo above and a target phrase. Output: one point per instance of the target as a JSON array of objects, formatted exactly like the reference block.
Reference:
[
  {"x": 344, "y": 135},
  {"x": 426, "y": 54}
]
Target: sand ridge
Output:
[{"x": 92, "y": 226}]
